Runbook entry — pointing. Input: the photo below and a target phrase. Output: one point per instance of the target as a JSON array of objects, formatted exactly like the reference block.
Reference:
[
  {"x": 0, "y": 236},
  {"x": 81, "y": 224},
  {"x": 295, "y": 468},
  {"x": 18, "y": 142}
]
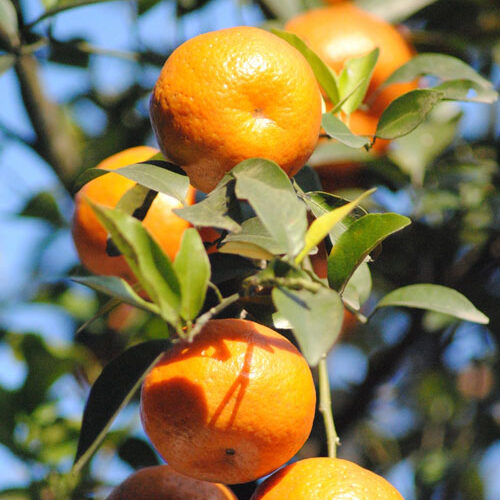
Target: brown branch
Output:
[{"x": 54, "y": 141}]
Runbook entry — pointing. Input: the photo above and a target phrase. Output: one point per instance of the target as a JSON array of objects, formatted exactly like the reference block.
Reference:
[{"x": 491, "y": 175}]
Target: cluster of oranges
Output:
[{"x": 239, "y": 401}]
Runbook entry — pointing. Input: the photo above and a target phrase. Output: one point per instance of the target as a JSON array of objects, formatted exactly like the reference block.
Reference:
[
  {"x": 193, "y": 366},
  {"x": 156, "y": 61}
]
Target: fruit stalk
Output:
[{"x": 325, "y": 407}]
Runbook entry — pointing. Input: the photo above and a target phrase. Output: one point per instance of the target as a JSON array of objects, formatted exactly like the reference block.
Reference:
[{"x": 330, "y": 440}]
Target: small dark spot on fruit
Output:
[{"x": 230, "y": 451}]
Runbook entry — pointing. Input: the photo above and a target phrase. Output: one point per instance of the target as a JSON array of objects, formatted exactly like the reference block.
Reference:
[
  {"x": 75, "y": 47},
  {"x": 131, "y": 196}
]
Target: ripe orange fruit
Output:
[
  {"x": 232, "y": 406},
  {"x": 325, "y": 478},
  {"x": 163, "y": 483},
  {"x": 90, "y": 236},
  {"x": 343, "y": 31},
  {"x": 233, "y": 94}
]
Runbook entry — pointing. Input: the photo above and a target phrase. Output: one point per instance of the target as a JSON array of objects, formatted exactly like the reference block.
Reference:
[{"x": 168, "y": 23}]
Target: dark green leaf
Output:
[
  {"x": 70, "y": 52},
  {"x": 254, "y": 232},
  {"x": 407, "y": 112},
  {"x": 112, "y": 390},
  {"x": 116, "y": 287},
  {"x": 440, "y": 65},
  {"x": 227, "y": 267},
  {"x": 357, "y": 242},
  {"x": 214, "y": 210},
  {"x": 44, "y": 206},
  {"x": 434, "y": 298},
  {"x": 337, "y": 129},
  {"x": 270, "y": 193},
  {"x": 193, "y": 271},
  {"x": 356, "y": 70},
  {"x": 149, "y": 264},
  {"x": 316, "y": 318},
  {"x": 325, "y": 76}
]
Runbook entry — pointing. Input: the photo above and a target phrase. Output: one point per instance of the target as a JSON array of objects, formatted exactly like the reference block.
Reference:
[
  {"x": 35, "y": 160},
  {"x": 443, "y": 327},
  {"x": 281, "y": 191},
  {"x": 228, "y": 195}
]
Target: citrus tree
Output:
[{"x": 309, "y": 191}]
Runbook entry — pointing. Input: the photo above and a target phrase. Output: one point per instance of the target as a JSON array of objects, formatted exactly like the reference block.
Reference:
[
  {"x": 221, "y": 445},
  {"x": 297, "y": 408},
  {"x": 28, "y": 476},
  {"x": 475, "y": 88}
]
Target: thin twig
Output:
[{"x": 325, "y": 407}]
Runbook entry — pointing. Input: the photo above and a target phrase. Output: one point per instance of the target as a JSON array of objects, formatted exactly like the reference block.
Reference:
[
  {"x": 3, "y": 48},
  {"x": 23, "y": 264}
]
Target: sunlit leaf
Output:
[
  {"x": 270, "y": 193},
  {"x": 407, "y": 112},
  {"x": 316, "y": 318},
  {"x": 434, "y": 298},
  {"x": 358, "y": 288},
  {"x": 145, "y": 257},
  {"x": 324, "y": 74},
  {"x": 357, "y": 242},
  {"x": 113, "y": 389},
  {"x": 193, "y": 272},
  {"x": 356, "y": 70},
  {"x": 252, "y": 232},
  {"x": 321, "y": 226},
  {"x": 163, "y": 177},
  {"x": 337, "y": 129},
  {"x": 393, "y": 11}
]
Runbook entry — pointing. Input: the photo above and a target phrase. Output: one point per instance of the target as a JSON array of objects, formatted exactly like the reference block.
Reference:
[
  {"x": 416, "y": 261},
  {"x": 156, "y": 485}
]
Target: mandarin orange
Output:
[
  {"x": 231, "y": 406},
  {"x": 233, "y": 94},
  {"x": 90, "y": 236},
  {"x": 325, "y": 478},
  {"x": 163, "y": 483}
]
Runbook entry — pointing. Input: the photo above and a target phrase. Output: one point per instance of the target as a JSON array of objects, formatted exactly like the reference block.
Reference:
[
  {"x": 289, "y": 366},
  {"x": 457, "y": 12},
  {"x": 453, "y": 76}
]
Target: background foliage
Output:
[{"x": 415, "y": 394}]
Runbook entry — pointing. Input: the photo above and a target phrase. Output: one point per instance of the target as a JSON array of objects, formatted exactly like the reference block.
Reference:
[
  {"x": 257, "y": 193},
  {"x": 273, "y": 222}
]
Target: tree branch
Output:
[{"x": 54, "y": 142}]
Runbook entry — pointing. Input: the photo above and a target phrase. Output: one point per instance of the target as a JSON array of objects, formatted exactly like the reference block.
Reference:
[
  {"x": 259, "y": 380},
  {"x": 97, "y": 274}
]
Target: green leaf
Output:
[
  {"x": 393, "y": 11},
  {"x": 415, "y": 152},
  {"x": 316, "y": 318},
  {"x": 6, "y": 62},
  {"x": 270, "y": 193},
  {"x": 86, "y": 176},
  {"x": 333, "y": 152},
  {"x": 44, "y": 206},
  {"x": 434, "y": 298},
  {"x": 112, "y": 390},
  {"x": 323, "y": 73},
  {"x": 322, "y": 203},
  {"x": 467, "y": 90},
  {"x": 145, "y": 257},
  {"x": 321, "y": 226},
  {"x": 214, "y": 210},
  {"x": 357, "y": 242},
  {"x": 337, "y": 129},
  {"x": 440, "y": 65},
  {"x": 136, "y": 201},
  {"x": 407, "y": 112},
  {"x": 252, "y": 232},
  {"x": 356, "y": 70},
  {"x": 193, "y": 271},
  {"x": 358, "y": 288},
  {"x": 227, "y": 267},
  {"x": 116, "y": 287},
  {"x": 8, "y": 22},
  {"x": 162, "y": 176}
]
